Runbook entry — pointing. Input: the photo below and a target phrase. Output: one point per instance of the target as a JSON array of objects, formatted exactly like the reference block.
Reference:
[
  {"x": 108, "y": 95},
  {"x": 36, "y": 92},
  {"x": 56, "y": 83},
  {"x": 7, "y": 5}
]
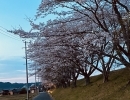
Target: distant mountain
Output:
[{"x": 8, "y": 85}]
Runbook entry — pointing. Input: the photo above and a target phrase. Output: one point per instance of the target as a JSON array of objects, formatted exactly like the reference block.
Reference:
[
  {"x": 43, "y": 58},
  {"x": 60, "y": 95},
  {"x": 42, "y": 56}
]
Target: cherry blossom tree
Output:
[{"x": 87, "y": 35}]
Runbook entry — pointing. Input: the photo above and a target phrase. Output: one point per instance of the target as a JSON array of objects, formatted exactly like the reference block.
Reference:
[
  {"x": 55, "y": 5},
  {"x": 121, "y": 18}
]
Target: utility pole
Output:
[
  {"x": 35, "y": 81},
  {"x": 26, "y": 69}
]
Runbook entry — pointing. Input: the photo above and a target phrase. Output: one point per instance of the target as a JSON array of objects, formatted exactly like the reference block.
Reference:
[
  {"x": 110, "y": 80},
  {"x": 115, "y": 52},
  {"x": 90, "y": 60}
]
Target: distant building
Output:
[
  {"x": 14, "y": 91},
  {"x": 4, "y": 92},
  {"x": 33, "y": 88}
]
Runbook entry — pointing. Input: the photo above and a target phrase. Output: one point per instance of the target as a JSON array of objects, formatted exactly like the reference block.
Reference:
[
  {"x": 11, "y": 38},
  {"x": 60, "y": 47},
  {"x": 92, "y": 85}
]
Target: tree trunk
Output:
[
  {"x": 87, "y": 79},
  {"x": 105, "y": 77},
  {"x": 68, "y": 83},
  {"x": 75, "y": 82}
]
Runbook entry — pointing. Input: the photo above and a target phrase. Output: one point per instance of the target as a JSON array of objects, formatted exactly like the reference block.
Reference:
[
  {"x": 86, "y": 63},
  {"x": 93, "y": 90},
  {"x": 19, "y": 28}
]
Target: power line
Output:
[
  {"x": 3, "y": 28},
  {"x": 10, "y": 36},
  {"x": 5, "y": 33}
]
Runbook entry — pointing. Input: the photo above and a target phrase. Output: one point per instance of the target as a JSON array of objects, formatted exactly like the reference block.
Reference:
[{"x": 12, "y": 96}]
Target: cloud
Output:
[
  {"x": 9, "y": 47},
  {"x": 11, "y": 58},
  {"x": 21, "y": 79},
  {"x": 13, "y": 70},
  {"x": 1, "y": 66},
  {"x": 3, "y": 73},
  {"x": 23, "y": 71}
]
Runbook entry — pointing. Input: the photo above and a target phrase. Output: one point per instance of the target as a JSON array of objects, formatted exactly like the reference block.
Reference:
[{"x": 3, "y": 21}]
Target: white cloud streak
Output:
[
  {"x": 17, "y": 79},
  {"x": 23, "y": 71}
]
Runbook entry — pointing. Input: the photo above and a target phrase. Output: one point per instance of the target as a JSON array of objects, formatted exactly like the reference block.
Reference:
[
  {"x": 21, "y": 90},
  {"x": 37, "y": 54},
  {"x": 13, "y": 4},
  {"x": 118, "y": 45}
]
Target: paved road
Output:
[{"x": 43, "y": 96}]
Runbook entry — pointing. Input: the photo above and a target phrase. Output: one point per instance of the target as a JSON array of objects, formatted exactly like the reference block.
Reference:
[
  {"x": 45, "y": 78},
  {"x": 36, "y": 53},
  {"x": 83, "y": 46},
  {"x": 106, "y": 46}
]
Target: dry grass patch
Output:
[{"x": 16, "y": 97}]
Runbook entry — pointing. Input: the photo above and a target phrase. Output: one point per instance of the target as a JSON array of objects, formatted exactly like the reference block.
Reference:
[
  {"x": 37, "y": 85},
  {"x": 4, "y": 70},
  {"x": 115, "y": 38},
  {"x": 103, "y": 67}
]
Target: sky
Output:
[{"x": 14, "y": 13}]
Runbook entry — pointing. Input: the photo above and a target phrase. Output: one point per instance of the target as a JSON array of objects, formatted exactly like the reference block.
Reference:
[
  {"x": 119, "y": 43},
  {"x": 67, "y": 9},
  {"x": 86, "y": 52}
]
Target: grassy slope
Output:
[{"x": 113, "y": 90}]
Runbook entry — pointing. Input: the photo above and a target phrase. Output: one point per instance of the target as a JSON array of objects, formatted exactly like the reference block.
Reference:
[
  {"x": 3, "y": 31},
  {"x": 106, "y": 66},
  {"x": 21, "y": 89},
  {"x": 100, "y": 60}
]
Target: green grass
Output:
[{"x": 115, "y": 89}]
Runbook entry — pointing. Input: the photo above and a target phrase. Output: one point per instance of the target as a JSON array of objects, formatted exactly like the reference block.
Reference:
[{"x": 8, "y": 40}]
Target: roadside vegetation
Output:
[{"x": 118, "y": 88}]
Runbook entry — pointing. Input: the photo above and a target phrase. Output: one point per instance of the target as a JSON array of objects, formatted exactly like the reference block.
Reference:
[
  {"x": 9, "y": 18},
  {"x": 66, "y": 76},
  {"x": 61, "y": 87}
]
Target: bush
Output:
[{"x": 23, "y": 91}]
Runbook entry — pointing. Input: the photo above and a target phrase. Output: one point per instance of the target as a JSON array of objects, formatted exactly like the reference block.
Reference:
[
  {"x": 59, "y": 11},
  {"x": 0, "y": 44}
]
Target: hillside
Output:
[
  {"x": 115, "y": 89},
  {"x": 8, "y": 85}
]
